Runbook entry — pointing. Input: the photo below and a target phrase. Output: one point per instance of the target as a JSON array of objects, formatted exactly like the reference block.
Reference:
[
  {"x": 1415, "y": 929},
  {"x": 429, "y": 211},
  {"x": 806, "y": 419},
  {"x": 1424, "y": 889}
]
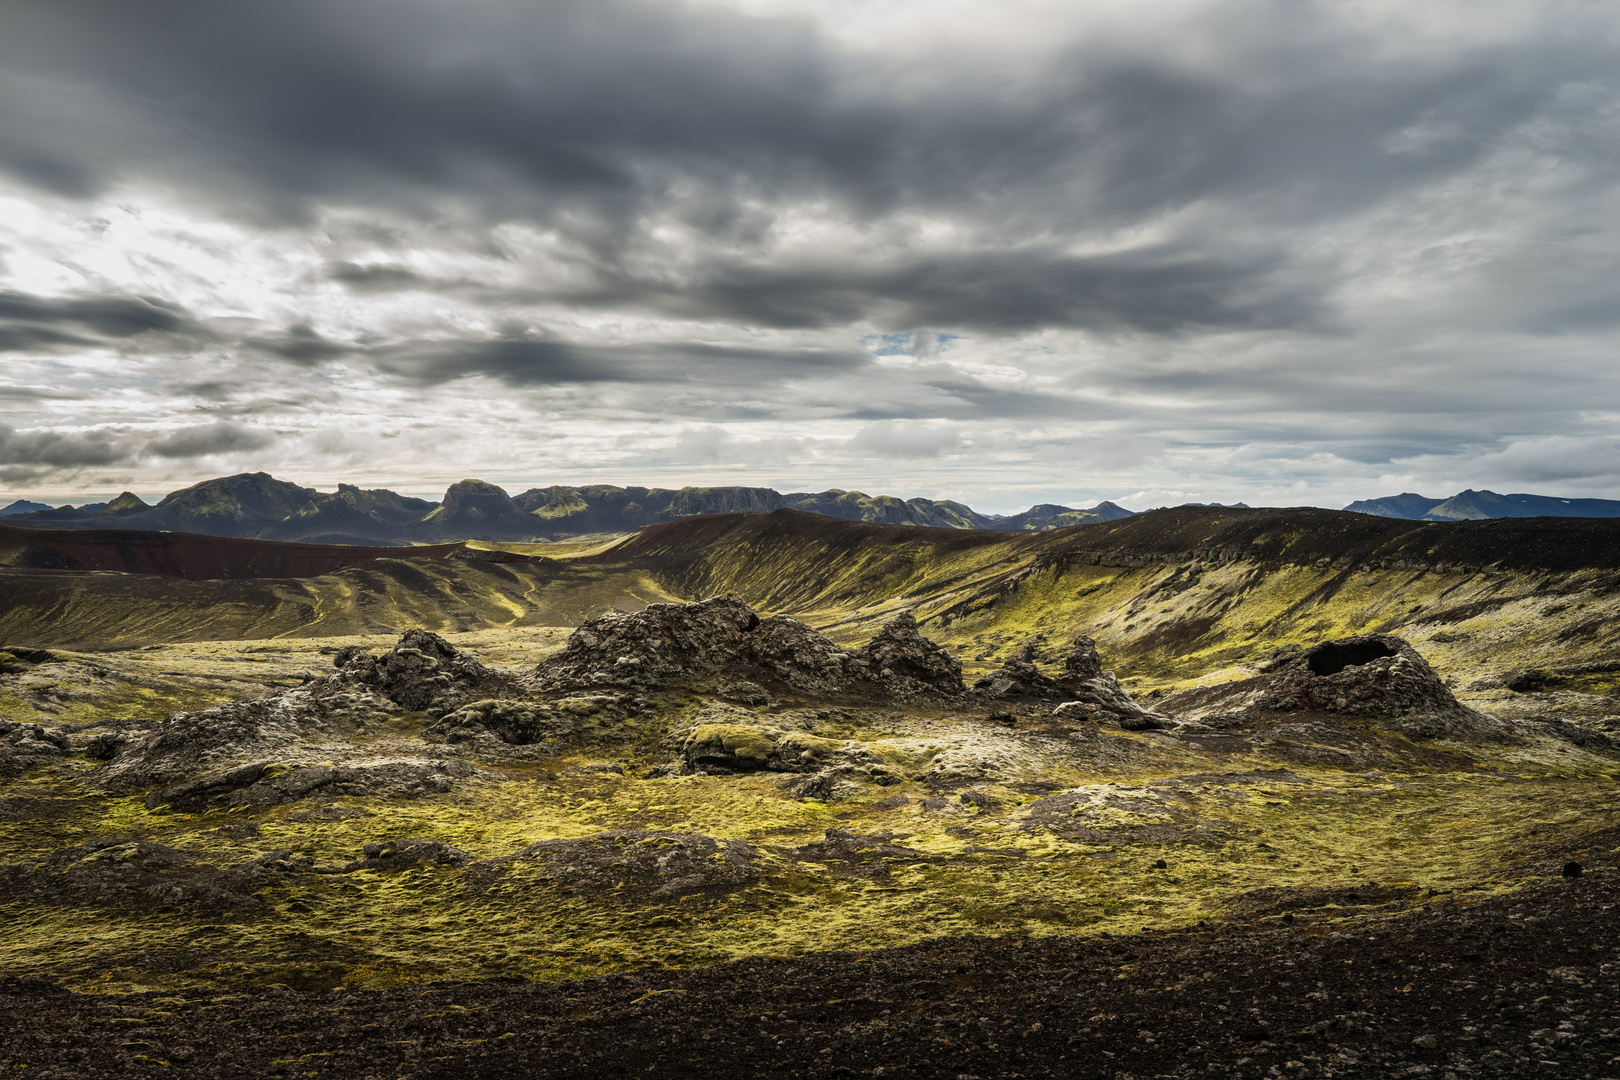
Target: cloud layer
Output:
[{"x": 1277, "y": 251}]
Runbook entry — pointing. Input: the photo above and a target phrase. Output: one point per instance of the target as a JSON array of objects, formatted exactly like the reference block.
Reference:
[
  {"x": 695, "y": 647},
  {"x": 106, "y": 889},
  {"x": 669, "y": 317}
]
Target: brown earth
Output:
[
  {"x": 1522, "y": 984},
  {"x": 199, "y": 558}
]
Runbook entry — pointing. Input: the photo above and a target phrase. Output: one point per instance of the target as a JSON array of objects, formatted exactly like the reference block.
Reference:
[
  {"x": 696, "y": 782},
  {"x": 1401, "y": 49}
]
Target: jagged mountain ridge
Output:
[
  {"x": 1474, "y": 505},
  {"x": 257, "y": 505}
]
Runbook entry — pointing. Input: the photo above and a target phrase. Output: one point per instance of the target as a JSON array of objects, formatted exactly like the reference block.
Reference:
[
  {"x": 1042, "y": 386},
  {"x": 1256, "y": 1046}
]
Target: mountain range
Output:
[
  {"x": 1473, "y": 505},
  {"x": 261, "y": 506}
]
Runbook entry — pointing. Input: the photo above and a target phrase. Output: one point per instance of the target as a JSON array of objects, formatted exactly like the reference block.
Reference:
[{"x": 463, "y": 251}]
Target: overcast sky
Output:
[{"x": 1006, "y": 252}]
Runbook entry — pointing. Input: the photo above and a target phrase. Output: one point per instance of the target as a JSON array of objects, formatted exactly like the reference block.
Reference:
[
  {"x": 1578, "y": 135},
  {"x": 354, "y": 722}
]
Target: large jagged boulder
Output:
[
  {"x": 667, "y": 642},
  {"x": 1083, "y": 661},
  {"x": 1378, "y": 676},
  {"x": 899, "y": 656},
  {"x": 804, "y": 659},
  {"x": 660, "y": 642},
  {"x": 425, "y": 673},
  {"x": 213, "y": 739}
]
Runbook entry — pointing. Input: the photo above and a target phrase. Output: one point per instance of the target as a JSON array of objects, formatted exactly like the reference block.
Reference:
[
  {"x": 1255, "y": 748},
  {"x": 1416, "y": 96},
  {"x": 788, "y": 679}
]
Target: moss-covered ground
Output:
[{"x": 1234, "y": 832}]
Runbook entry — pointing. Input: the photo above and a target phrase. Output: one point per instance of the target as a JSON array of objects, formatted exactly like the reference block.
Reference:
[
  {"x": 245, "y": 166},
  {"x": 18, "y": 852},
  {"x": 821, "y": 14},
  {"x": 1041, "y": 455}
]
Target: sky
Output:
[{"x": 1279, "y": 251}]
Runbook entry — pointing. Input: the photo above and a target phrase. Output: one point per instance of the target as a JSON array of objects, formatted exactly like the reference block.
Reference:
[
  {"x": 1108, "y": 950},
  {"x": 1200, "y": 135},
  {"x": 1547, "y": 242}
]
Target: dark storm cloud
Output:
[
  {"x": 61, "y": 450},
  {"x": 527, "y": 362},
  {"x": 598, "y": 118},
  {"x": 37, "y": 324},
  {"x": 1158, "y": 291},
  {"x": 380, "y": 278},
  {"x": 300, "y": 344},
  {"x": 223, "y": 437}
]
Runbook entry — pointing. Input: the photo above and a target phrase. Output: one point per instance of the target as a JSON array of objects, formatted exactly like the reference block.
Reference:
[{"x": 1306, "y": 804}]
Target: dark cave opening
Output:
[{"x": 1332, "y": 658}]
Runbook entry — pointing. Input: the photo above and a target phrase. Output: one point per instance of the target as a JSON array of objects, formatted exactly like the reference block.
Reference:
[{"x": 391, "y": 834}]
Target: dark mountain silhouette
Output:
[
  {"x": 126, "y": 503},
  {"x": 474, "y": 509},
  {"x": 1051, "y": 516},
  {"x": 23, "y": 506},
  {"x": 1473, "y": 505},
  {"x": 259, "y": 505},
  {"x": 351, "y": 515}
]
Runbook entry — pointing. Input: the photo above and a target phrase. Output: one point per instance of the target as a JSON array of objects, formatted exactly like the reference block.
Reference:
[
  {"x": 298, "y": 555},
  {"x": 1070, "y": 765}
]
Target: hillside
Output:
[{"x": 1173, "y": 595}]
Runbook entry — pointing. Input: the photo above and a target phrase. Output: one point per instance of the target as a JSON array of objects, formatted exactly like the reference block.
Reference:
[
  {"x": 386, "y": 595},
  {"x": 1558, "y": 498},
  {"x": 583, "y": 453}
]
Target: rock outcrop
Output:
[
  {"x": 424, "y": 673},
  {"x": 899, "y": 656},
  {"x": 1376, "y": 676},
  {"x": 1084, "y": 688},
  {"x": 667, "y": 642},
  {"x": 1019, "y": 680}
]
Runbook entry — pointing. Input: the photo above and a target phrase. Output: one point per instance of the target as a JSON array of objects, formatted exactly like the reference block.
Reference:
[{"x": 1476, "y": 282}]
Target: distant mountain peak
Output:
[
  {"x": 126, "y": 503},
  {"x": 1484, "y": 505},
  {"x": 260, "y": 506}
]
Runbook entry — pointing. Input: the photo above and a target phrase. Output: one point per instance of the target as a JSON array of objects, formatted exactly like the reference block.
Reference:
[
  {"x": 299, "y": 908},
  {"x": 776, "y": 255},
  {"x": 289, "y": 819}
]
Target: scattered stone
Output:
[
  {"x": 1426, "y": 1042},
  {"x": 1018, "y": 679},
  {"x": 389, "y": 855},
  {"x": 28, "y": 746},
  {"x": 745, "y": 692},
  {"x": 267, "y": 784},
  {"x": 640, "y": 865}
]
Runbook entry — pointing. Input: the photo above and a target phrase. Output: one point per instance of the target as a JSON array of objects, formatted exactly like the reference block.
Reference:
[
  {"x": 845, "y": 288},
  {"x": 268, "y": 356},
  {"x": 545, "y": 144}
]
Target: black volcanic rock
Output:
[
  {"x": 26, "y": 746},
  {"x": 659, "y": 642},
  {"x": 1018, "y": 679},
  {"x": 900, "y": 656},
  {"x": 424, "y": 672},
  {"x": 675, "y": 641}
]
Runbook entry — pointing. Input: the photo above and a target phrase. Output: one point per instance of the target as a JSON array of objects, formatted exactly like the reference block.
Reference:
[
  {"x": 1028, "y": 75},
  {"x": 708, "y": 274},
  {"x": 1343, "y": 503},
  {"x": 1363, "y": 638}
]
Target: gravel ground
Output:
[{"x": 1523, "y": 984}]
